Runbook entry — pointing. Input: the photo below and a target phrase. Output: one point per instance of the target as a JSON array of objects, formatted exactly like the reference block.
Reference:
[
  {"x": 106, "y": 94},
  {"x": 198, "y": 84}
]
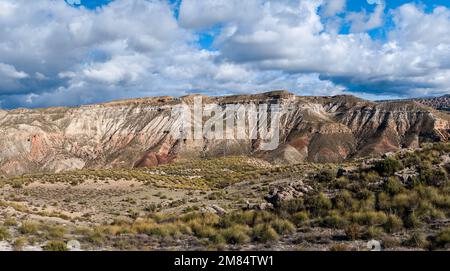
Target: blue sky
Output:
[
  {"x": 72, "y": 52},
  {"x": 206, "y": 38}
]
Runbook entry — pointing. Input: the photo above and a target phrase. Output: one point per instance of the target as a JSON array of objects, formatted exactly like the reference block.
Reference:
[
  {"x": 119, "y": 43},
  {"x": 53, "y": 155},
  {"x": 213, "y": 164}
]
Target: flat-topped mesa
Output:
[{"x": 136, "y": 132}]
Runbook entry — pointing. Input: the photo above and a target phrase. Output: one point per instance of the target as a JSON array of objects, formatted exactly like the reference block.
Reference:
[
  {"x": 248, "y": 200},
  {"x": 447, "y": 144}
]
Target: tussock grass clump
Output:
[
  {"x": 29, "y": 227},
  {"x": 442, "y": 239},
  {"x": 236, "y": 235},
  {"x": 283, "y": 226},
  {"x": 393, "y": 224},
  {"x": 369, "y": 218},
  {"x": 300, "y": 218},
  {"x": 388, "y": 167},
  {"x": 417, "y": 239},
  {"x": 264, "y": 233},
  {"x": 4, "y": 233},
  {"x": 353, "y": 231},
  {"x": 55, "y": 246}
]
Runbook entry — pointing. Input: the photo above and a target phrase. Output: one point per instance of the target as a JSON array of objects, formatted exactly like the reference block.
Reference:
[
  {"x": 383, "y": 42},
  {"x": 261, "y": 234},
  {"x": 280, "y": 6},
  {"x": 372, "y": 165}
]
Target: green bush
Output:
[
  {"x": 353, "y": 232},
  {"x": 4, "y": 233},
  {"x": 291, "y": 206},
  {"x": 282, "y": 226},
  {"x": 370, "y": 218},
  {"x": 319, "y": 204},
  {"x": 411, "y": 221},
  {"x": 28, "y": 228},
  {"x": 442, "y": 239},
  {"x": 434, "y": 177},
  {"x": 393, "y": 186},
  {"x": 373, "y": 232},
  {"x": 55, "y": 246},
  {"x": 417, "y": 239},
  {"x": 393, "y": 224},
  {"x": 300, "y": 218},
  {"x": 344, "y": 201},
  {"x": 334, "y": 220},
  {"x": 264, "y": 233},
  {"x": 327, "y": 175},
  {"x": 237, "y": 234},
  {"x": 388, "y": 166}
]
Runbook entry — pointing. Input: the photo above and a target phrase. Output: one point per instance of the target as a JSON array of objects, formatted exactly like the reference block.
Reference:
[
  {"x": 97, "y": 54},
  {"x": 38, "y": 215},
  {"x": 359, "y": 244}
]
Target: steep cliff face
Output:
[{"x": 136, "y": 133}]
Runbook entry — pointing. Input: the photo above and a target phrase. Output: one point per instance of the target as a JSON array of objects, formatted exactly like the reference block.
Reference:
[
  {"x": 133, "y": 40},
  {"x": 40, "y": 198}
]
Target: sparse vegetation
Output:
[
  {"x": 55, "y": 246},
  {"x": 219, "y": 204}
]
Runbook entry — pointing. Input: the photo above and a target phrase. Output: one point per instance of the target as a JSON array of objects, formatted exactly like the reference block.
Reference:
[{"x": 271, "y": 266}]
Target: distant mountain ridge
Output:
[
  {"x": 439, "y": 103},
  {"x": 133, "y": 133}
]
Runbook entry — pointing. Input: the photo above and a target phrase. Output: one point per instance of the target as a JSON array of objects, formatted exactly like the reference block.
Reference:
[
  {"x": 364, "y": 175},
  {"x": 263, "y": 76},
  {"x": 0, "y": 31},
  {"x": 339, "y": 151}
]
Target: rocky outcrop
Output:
[
  {"x": 291, "y": 191},
  {"x": 137, "y": 133}
]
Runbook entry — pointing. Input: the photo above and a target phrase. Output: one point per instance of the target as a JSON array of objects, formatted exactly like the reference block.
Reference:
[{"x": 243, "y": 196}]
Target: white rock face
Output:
[{"x": 136, "y": 132}]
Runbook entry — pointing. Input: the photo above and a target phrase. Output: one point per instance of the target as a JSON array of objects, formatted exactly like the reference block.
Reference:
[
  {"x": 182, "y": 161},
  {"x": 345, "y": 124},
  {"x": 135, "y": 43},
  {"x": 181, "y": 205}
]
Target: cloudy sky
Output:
[{"x": 71, "y": 52}]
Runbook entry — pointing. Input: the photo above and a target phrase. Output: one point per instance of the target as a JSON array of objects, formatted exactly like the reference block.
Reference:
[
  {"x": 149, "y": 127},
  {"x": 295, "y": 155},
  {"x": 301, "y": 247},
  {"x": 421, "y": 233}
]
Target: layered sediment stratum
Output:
[{"x": 136, "y": 133}]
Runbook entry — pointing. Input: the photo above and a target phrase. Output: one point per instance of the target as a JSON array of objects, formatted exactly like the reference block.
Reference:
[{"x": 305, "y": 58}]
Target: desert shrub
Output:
[
  {"x": 19, "y": 243},
  {"x": 344, "y": 201},
  {"x": 202, "y": 230},
  {"x": 162, "y": 230},
  {"x": 373, "y": 232},
  {"x": 370, "y": 218},
  {"x": 291, "y": 206},
  {"x": 367, "y": 204},
  {"x": 264, "y": 233},
  {"x": 282, "y": 226},
  {"x": 9, "y": 221},
  {"x": 411, "y": 221},
  {"x": 300, "y": 218},
  {"x": 388, "y": 166},
  {"x": 447, "y": 167},
  {"x": 340, "y": 247},
  {"x": 417, "y": 239},
  {"x": 55, "y": 232},
  {"x": 405, "y": 202},
  {"x": 17, "y": 184},
  {"x": 319, "y": 204},
  {"x": 370, "y": 177},
  {"x": 364, "y": 193},
  {"x": 384, "y": 201},
  {"x": 434, "y": 177},
  {"x": 55, "y": 246},
  {"x": 262, "y": 217},
  {"x": 237, "y": 234},
  {"x": 247, "y": 218},
  {"x": 340, "y": 183},
  {"x": 442, "y": 239},
  {"x": 206, "y": 218},
  {"x": 327, "y": 175},
  {"x": 441, "y": 201},
  {"x": 390, "y": 241},
  {"x": 427, "y": 211},
  {"x": 28, "y": 227},
  {"x": 152, "y": 208},
  {"x": 353, "y": 231},
  {"x": 393, "y": 186},
  {"x": 334, "y": 220},
  {"x": 4, "y": 233},
  {"x": 95, "y": 236},
  {"x": 393, "y": 224}
]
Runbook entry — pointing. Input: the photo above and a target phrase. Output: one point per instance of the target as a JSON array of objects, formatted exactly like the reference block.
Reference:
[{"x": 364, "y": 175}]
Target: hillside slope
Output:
[
  {"x": 135, "y": 133},
  {"x": 439, "y": 103}
]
